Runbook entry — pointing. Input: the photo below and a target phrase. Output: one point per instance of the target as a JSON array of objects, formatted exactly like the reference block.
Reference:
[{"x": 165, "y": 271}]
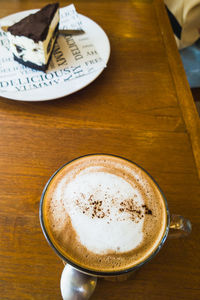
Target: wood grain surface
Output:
[{"x": 140, "y": 108}]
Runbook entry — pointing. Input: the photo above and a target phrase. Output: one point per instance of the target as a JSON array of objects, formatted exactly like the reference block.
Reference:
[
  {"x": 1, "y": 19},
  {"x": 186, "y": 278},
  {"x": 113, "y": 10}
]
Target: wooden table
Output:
[{"x": 140, "y": 108}]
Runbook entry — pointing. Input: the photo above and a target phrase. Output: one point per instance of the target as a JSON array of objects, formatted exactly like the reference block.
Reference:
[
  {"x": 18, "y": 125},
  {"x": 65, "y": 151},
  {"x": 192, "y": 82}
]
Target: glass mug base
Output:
[
  {"x": 117, "y": 278},
  {"x": 75, "y": 273}
]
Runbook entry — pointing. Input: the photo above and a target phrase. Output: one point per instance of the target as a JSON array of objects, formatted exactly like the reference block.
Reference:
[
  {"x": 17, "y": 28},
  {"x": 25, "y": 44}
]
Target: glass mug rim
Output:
[{"x": 87, "y": 270}]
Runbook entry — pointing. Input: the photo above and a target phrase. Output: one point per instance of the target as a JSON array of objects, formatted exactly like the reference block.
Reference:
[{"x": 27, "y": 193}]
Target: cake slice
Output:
[{"x": 32, "y": 39}]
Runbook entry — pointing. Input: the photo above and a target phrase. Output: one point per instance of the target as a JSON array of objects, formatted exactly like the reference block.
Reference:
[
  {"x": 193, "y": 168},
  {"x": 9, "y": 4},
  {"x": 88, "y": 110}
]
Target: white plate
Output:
[{"x": 102, "y": 45}]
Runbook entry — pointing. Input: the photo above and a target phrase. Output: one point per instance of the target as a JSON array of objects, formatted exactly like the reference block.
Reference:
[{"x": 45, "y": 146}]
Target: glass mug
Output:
[{"x": 78, "y": 282}]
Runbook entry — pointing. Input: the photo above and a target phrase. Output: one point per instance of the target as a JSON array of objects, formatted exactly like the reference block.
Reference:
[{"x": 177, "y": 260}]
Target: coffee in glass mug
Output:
[{"x": 105, "y": 215}]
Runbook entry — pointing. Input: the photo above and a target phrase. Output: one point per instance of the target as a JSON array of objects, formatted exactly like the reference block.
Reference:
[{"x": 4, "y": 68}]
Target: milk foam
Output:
[{"x": 106, "y": 211}]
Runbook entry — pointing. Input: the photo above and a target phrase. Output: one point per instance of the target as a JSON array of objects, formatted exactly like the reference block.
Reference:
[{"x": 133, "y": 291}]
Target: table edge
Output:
[{"x": 184, "y": 96}]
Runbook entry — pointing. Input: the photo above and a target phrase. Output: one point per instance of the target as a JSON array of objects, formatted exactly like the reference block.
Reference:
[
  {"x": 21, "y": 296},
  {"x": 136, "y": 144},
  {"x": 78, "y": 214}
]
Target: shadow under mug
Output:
[{"x": 177, "y": 226}]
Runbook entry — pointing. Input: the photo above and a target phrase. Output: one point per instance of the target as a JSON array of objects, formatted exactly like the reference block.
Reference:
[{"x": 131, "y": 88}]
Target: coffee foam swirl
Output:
[
  {"x": 94, "y": 202},
  {"x": 105, "y": 213}
]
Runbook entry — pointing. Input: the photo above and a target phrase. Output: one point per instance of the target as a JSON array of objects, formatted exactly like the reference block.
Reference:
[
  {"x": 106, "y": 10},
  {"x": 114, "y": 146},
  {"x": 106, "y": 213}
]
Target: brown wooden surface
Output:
[
  {"x": 196, "y": 96},
  {"x": 140, "y": 108}
]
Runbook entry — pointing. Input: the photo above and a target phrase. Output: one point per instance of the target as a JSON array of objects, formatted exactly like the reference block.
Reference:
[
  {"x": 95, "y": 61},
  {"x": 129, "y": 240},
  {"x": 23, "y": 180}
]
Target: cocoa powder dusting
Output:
[
  {"x": 135, "y": 211},
  {"x": 94, "y": 209}
]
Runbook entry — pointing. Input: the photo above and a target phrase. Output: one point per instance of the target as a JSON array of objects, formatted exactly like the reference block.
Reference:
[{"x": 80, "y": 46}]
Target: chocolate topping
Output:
[
  {"x": 35, "y": 26},
  {"x": 129, "y": 206},
  {"x": 147, "y": 210}
]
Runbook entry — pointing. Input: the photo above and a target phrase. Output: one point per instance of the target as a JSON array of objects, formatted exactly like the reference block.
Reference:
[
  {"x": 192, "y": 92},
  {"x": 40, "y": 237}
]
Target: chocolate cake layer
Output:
[
  {"x": 30, "y": 64},
  {"x": 35, "y": 26}
]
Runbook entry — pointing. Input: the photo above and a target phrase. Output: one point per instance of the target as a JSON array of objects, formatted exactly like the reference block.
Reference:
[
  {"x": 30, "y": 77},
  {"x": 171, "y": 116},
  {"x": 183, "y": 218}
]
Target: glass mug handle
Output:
[{"x": 179, "y": 226}]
